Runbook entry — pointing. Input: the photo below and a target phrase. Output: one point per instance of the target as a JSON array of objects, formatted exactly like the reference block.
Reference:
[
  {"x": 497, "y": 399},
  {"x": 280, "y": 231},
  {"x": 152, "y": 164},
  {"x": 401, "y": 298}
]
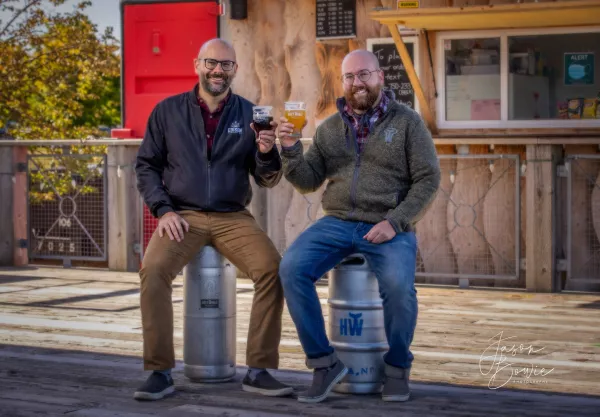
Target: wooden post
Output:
[
  {"x": 124, "y": 209},
  {"x": 7, "y": 239},
  {"x": 541, "y": 217},
  {"x": 21, "y": 256},
  {"x": 414, "y": 79}
]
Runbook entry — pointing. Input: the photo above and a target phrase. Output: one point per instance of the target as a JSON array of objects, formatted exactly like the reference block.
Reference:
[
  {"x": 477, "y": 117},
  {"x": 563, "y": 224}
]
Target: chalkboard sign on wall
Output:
[
  {"x": 396, "y": 77},
  {"x": 336, "y": 19}
]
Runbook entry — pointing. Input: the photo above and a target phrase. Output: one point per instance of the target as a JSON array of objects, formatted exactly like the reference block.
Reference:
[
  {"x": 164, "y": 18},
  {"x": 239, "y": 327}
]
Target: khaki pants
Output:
[{"x": 237, "y": 237}]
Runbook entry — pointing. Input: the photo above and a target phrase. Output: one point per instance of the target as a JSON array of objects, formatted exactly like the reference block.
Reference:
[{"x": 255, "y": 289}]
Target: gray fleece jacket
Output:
[{"x": 395, "y": 177}]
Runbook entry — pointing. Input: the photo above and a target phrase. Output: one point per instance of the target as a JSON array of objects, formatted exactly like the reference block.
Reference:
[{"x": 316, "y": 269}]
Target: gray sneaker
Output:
[
  {"x": 265, "y": 384},
  {"x": 323, "y": 381},
  {"x": 396, "y": 387},
  {"x": 156, "y": 387}
]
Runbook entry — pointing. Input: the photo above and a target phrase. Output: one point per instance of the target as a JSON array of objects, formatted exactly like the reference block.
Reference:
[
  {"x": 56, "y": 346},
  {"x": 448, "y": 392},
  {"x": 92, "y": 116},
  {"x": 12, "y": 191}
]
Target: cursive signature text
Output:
[{"x": 496, "y": 361}]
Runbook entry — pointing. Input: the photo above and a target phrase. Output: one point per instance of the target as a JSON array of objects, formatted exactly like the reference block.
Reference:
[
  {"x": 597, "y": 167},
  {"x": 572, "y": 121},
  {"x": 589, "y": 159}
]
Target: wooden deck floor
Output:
[{"x": 70, "y": 344}]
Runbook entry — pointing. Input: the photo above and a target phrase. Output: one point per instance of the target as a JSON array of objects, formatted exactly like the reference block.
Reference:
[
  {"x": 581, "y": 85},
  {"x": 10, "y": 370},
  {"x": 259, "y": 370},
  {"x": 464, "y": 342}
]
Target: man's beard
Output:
[
  {"x": 364, "y": 102},
  {"x": 215, "y": 90}
]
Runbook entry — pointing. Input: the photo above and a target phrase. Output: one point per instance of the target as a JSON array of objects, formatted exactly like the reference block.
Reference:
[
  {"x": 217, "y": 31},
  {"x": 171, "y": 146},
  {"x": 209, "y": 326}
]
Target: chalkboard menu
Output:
[
  {"x": 396, "y": 77},
  {"x": 336, "y": 19}
]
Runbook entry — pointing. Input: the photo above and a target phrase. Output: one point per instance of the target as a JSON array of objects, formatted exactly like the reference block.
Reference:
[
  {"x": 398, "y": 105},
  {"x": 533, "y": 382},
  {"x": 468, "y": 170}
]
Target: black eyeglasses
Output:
[
  {"x": 211, "y": 64},
  {"x": 363, "y": 75}
]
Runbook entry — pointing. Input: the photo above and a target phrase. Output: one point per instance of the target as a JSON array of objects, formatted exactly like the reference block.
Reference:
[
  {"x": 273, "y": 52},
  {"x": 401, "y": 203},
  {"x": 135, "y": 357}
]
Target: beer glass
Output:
[
  {"x": 295, "y": 113},
  {"x": 262, "y": 116}
]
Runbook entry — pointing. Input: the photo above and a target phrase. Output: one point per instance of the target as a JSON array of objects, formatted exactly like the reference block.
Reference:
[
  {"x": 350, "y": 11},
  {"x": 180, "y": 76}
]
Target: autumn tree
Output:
[{"x": 59, "y": 78}]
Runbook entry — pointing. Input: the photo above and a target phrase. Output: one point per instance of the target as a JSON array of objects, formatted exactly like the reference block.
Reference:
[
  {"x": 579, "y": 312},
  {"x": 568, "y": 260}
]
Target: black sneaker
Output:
[
  {"x": 156, "y": 387},
  {"x": 323, "y": 381},
  {"x": 265, "y": 384}
]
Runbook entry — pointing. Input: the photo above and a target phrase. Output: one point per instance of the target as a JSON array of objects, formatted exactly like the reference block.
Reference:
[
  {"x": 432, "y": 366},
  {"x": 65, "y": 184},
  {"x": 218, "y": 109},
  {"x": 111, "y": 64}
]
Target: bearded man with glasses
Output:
[
  {"x": 383, "y": 173},
  {"x": 193, "y": 170}
]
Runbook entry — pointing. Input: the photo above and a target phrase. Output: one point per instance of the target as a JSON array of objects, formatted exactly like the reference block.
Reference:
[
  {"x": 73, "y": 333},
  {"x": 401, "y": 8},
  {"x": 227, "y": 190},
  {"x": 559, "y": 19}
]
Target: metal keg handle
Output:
[{"x": 354, "y": 259}]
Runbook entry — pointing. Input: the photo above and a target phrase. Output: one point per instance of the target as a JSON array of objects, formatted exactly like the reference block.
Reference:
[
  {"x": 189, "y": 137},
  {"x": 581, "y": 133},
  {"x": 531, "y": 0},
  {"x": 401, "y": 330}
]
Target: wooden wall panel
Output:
[
  {"x": 329, "y": 59},
  {"x": 269, "y": 55},
  {"x": 367, "y": 28},
  {"x": 240, "y": 34},
  {"x": 300, "y": 58}
]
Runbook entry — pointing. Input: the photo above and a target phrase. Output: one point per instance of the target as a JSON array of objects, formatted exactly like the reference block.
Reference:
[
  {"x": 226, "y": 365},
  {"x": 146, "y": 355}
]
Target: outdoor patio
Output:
[{"x": 71, "y": 345}]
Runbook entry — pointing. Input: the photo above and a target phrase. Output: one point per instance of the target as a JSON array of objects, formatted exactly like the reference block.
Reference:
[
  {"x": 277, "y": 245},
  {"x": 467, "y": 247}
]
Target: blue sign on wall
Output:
[{"x": 579, "y": 68}]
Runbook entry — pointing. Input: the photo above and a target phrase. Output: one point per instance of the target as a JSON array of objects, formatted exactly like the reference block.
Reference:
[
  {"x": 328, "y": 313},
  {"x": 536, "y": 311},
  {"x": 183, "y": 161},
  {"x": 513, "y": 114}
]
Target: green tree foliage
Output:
[{"x": 59, "y": 79}]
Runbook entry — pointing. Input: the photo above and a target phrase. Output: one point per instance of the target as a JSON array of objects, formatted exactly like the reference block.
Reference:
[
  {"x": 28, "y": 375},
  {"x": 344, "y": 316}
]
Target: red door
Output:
[{"x": 160, "y": 41}]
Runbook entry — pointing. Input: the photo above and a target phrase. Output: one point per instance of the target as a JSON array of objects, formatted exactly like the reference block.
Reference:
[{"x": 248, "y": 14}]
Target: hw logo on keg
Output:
[{"x": 352, "y": 326}]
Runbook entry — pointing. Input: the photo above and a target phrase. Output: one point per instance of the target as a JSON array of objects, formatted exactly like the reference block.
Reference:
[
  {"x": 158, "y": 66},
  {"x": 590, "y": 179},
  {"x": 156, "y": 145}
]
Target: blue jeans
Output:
[{"x": 324, "y": 245}]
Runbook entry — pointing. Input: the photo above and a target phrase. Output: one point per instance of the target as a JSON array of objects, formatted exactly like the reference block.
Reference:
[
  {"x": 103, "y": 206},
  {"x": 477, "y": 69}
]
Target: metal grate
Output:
[
  {"x": 583, "y": 221},
  {"x": 149, "y": 224},
  {"x": 472, "y": 229},
  {"x": 67, "y": 216}
]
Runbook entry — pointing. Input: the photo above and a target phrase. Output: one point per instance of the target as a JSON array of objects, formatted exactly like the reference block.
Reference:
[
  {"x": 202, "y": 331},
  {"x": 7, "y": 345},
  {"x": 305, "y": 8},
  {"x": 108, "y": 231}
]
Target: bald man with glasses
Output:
[{"x": 193, "y": 170}]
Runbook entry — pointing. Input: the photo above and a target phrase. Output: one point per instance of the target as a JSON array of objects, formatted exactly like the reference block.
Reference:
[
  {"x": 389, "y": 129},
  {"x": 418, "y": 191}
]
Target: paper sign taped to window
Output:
[{"x": 485, "y": 109}]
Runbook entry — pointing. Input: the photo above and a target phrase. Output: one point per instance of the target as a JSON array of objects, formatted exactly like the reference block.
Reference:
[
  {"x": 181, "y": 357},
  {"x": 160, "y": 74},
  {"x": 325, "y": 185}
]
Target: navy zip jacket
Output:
[{"x": 173, "y": 170}]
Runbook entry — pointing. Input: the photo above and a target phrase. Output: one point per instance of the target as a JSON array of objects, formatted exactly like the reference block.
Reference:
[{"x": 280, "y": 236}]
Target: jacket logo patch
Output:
[
  {"x": 389, "y": 134},
  {"x": 235, "y": 128}
]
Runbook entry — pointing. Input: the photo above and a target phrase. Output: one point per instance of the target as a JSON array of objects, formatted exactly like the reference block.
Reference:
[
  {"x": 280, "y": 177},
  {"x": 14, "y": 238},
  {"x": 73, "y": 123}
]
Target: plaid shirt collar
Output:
[
  {"x": 374, "y": 114},
  {"x": 363, "y": 124}
]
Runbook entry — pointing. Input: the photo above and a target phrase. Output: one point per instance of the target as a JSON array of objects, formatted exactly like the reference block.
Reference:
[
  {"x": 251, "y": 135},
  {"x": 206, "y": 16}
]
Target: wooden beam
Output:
[
  {"x": 498, "y": 16},
  {"x": 541, "y": 217},
  {"x": 124, "y": 209},
  {"x": 21, "y": 256},
  {"x": 7, "y": 241},
  {"x": 414, "y": 79}
]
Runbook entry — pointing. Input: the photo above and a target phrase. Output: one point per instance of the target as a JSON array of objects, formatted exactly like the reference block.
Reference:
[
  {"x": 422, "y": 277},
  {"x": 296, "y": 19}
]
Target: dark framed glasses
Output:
[
  {"x": 211, "y": 64},
  {"x": 363, "y": 75}
]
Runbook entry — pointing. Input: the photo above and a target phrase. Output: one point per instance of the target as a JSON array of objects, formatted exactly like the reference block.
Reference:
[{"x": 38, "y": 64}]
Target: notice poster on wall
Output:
[
  {"x": 579, "y": 68},
  {"x": 395, "y": 75}
]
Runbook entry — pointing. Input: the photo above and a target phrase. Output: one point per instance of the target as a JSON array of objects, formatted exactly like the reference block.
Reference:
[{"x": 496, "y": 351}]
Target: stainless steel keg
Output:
[
  {"x": 356, "y": 328},
  {"x": 209, "y": 328}
]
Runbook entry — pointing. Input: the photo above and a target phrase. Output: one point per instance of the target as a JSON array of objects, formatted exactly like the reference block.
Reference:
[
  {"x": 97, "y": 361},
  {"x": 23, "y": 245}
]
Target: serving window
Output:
[{"x": 519, "y": 78}]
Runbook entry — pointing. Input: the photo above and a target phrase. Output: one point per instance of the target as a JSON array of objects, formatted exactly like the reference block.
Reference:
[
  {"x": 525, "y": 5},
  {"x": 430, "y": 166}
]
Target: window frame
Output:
[{"x": 504, "y": 122}]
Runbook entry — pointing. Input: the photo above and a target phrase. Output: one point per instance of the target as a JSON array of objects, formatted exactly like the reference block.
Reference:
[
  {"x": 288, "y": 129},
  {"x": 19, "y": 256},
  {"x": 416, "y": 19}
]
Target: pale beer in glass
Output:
[{"x": 295, "y": 113}]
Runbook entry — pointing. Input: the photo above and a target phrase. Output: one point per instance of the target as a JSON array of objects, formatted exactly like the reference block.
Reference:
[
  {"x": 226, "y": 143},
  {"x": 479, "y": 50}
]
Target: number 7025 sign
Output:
[{"x": 60, "y": 246}]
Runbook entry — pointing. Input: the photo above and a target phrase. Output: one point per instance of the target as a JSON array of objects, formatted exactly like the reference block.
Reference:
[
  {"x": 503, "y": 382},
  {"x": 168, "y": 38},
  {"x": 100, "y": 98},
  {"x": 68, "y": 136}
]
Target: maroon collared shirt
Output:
[{"x": 211, "y": 120}]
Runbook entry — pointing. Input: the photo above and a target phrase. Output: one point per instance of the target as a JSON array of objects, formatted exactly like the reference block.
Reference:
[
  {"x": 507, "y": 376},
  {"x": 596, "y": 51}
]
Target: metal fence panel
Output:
[
  {"x": 583, "y": 220},
  {"x": 473, "y": 228},
  {"x": 67, "y": 209}
]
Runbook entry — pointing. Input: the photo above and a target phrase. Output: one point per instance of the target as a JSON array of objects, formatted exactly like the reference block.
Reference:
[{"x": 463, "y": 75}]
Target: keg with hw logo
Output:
[
  {"x": 356, "y": 325},
  {"x": 209, "y": 320}
]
